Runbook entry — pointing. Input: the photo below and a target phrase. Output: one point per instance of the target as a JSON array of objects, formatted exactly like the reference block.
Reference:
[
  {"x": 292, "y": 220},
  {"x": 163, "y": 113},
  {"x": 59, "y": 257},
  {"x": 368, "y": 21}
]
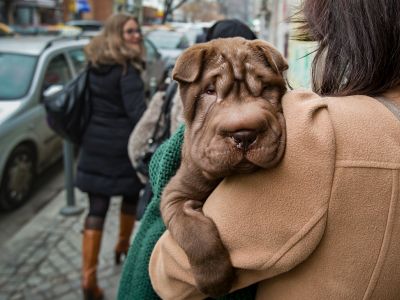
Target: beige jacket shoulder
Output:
[{"x": 324, "y": 224}]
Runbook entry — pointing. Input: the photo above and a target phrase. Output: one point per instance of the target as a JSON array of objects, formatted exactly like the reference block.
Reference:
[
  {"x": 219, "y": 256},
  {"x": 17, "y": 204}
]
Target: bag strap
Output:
[
  {"x": 165, "y": 109},
  {"x": 389, "y": 105}
]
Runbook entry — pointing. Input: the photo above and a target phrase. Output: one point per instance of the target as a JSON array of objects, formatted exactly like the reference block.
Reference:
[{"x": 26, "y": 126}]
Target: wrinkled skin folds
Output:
[{"x": 231, "y": 91}]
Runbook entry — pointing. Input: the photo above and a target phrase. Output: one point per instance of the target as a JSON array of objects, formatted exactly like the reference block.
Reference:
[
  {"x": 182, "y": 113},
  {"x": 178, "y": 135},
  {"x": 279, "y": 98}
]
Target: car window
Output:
[
  {"x": 165, "y": 39},
  {"x": 151, "y": 52},
  {"x": 16, "y": 72},
  {"x": 184, "y": 43},
  {"x": 57, "y": 72},
  {"x": 78, "y": 59}
]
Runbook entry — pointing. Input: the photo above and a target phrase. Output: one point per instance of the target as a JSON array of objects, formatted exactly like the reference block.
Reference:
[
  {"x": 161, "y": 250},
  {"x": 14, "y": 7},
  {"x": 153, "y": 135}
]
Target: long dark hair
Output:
[{"x": 359, "y": 44}]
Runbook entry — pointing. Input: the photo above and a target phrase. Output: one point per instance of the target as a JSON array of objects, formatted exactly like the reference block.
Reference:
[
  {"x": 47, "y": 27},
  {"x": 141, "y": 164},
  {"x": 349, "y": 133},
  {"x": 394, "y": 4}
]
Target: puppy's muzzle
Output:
[{"x": 243, "y": 139}]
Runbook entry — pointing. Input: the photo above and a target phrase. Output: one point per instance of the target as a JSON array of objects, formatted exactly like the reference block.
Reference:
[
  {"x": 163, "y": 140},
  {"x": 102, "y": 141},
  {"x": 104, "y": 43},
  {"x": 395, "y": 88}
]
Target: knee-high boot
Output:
[
  {"x": 126, "y": 223},
  {"x": 90, "y": 252}
]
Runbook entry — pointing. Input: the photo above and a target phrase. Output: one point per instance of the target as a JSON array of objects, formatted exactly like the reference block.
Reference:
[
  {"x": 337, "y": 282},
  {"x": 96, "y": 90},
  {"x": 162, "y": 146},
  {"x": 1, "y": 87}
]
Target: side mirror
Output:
[{"x": 52, "y": 90}]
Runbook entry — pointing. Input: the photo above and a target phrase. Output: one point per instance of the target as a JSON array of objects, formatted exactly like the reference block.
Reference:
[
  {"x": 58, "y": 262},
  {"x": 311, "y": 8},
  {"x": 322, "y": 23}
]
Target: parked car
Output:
[
  {"x": 29, "y": 66},
  {"x": 156, "y": 68},
  {"x": 5, "y": 30},
  {"x": 192, "y": 30},
  {"x": 51, "y": 30},
  {"x": 170, "y": 44},
  {"x": 86, "y": 25}
]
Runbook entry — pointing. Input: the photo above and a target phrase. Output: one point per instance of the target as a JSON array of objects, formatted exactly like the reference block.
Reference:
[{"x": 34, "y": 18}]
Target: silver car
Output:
[
  {"x": 28, "y": 66},
  {"x": 170, "y": 44}
]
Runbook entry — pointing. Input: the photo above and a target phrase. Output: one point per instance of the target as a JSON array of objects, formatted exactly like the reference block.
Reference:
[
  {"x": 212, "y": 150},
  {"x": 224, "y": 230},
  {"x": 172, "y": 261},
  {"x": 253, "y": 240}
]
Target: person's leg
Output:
[
  {"x": 98, "y": 207},
  {"x": 126, "y": 223}
]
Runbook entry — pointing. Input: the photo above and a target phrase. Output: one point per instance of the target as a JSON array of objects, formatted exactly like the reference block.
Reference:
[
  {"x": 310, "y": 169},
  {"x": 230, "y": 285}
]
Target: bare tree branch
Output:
[
  {"x": 179, "y": 4},
  {"x": 168, "y": 8}
]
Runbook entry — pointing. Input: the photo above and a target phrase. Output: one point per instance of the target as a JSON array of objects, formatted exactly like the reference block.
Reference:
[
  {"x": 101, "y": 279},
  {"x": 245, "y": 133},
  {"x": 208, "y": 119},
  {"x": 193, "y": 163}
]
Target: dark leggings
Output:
[{"x": 98, "y": 207}]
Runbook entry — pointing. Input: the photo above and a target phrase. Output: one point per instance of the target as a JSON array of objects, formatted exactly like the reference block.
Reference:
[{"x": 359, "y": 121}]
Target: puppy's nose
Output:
[{"x": 244, "y": 138}]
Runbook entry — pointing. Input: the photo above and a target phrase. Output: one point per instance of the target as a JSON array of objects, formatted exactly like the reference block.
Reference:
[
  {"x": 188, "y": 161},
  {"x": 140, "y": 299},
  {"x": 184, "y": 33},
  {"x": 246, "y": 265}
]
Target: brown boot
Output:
[
  {"x": 126, "y": 223},
  {"x": 90, "y": 252}
]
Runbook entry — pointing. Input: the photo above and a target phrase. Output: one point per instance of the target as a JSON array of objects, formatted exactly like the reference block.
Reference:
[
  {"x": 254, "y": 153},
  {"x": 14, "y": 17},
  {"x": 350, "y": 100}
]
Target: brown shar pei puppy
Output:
[{"x": 231, "y": 91}]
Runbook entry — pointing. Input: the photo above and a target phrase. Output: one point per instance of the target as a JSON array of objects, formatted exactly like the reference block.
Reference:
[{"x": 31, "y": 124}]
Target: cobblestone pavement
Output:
[{"x": 43, "y": 260}]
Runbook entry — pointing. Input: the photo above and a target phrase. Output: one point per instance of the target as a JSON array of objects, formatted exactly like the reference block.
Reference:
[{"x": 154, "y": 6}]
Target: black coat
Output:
[{"x": 117, "y": 99}]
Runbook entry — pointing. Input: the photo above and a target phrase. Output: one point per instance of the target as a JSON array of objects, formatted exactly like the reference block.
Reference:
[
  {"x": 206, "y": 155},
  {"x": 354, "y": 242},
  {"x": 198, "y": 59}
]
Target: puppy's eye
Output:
[
  {"x": 267, "y": 88},
  {"x": 210, "y": 90}
]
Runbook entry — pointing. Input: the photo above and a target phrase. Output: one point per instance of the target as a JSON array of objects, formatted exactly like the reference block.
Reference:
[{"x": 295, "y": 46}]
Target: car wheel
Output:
[{"x": 18, "y": 177}]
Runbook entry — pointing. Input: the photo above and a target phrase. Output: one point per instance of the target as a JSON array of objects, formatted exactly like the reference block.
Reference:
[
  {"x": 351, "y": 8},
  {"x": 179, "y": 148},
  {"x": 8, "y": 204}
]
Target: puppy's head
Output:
[{"x": 231, "y": 91}]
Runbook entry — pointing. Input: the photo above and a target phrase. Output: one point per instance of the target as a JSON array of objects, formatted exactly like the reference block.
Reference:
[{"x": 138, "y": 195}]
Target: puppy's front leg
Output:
[{"x": 196, "y": 234}]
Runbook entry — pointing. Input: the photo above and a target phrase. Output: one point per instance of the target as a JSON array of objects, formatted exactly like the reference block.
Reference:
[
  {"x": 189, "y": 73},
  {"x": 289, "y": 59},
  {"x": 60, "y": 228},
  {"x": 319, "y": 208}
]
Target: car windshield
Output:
[
  {"x": 165, "y": 39},
  {"x": 16, "y": 72}
]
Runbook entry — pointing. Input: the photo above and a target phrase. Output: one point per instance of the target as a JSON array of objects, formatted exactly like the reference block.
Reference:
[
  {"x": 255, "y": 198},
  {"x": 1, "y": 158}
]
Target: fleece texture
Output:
[
  {"x": 135, "y": 282},
  {"x": 323, "y": 224}
]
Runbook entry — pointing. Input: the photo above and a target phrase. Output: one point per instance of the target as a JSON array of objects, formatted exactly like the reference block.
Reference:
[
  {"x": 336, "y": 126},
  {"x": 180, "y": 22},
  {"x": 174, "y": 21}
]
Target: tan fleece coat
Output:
[{"x": 324, "y": 224}]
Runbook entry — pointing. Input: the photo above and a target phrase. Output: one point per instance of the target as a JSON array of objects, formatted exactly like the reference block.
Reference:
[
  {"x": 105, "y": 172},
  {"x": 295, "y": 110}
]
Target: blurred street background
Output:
[{"x": 41, "y": 45}]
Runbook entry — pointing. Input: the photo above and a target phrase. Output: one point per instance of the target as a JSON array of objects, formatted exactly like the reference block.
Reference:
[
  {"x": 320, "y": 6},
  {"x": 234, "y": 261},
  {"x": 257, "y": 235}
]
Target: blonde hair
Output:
[{"x": 109, "y": 47}]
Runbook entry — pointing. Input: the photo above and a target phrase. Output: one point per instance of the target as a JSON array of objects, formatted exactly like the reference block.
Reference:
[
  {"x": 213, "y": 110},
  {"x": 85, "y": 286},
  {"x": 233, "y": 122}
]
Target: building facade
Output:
[
  {"x": 275, "y": 27},
  {"x": 238, "y": 9},
  {"x": 3, "y": 11},
  {"x": 30, "y": 12}
]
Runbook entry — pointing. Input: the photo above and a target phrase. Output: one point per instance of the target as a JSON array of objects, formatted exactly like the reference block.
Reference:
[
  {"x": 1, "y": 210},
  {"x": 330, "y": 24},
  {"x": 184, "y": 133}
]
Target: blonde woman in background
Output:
[{"x": 104, "y": 169}]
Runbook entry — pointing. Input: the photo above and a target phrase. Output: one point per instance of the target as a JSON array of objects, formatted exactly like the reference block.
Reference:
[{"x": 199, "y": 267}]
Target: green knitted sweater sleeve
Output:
[{"x": 135, "y": 281}]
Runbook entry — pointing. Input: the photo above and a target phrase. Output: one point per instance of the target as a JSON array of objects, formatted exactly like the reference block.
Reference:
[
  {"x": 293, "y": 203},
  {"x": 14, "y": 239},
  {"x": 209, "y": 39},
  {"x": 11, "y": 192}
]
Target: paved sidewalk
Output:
[{"x": 43, "y": 260}]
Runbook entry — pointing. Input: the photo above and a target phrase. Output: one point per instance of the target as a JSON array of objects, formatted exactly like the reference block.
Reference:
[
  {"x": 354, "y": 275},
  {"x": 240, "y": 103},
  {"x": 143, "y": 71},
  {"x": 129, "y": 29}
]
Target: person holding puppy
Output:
[
  {"x": 325, "y": 223},
  {"x": 104, "y": 169}
]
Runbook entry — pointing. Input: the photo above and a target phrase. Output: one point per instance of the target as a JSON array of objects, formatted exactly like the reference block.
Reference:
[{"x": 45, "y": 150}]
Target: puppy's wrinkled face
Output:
[{"x": 231, "y": 91}]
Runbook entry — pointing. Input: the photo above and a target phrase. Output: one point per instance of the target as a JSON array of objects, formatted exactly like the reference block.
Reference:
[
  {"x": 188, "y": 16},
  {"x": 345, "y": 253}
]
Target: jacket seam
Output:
[
  {"x": 296, "y": 238},
  {"x": 367, "y": 164},
  {"x": 387, "y": 236}
]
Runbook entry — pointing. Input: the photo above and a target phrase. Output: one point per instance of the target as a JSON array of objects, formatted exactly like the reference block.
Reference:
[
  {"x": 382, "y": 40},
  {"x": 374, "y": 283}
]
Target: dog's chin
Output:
[
  {"x": 244, "y": 166},
  {"x": 223, "y": 170},
  {"x": 265, "y": 157},
  {"x": 223, "y": 163}
]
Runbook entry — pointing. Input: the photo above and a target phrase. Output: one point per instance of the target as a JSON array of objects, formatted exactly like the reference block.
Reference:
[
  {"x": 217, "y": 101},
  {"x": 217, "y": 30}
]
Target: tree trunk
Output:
[{"x": 168, "y": 8}]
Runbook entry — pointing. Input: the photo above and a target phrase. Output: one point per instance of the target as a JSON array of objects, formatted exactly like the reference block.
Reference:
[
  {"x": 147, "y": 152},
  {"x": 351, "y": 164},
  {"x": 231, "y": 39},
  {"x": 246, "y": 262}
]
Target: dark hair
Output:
[
  {"x": 359, "y": 45},
  {"x": 229, "y": 28}
]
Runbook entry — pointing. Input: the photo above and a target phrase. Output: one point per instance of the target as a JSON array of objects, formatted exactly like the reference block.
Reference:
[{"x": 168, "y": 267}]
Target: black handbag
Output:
[{"x": 69, "y": 110}]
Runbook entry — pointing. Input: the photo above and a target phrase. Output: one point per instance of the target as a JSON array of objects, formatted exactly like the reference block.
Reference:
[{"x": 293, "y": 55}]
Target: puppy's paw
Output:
[
  {"x": 214, "y": 278},
  {"x": 210, "y": 261}
]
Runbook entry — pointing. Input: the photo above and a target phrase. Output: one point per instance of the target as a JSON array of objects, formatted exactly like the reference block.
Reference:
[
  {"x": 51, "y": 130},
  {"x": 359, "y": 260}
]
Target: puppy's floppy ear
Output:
[
  {"x": 273, "y": 56},
  {"x": 189, "y": 65}
]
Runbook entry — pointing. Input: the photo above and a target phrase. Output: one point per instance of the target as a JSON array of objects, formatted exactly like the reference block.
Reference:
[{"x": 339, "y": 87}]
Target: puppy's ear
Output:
[
  {"x": 189, "y": 65},
  {"x": 275, "y": 59}
]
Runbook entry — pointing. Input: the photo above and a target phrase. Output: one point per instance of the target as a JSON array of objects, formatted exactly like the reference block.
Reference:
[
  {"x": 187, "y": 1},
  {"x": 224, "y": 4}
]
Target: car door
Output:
[
  {"x": 56, "y": 72},
  {"x": 78, "y": 59},
  {"x": 154, "y": 65}
]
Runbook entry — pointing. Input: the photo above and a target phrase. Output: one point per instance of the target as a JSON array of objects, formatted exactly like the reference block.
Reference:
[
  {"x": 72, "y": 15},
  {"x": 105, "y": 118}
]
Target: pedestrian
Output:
[
  {"x": 104, "y": 169},
  {"x": 135, "y": 282},
  {"x": 325, "y": 223}
]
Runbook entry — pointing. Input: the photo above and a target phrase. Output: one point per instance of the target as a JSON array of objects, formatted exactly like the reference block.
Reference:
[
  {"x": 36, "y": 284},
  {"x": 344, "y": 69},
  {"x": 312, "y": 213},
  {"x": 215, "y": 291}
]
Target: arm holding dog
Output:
[
  {"x": 181, "y": 209},
  {"x": 252, "y": 211}
]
